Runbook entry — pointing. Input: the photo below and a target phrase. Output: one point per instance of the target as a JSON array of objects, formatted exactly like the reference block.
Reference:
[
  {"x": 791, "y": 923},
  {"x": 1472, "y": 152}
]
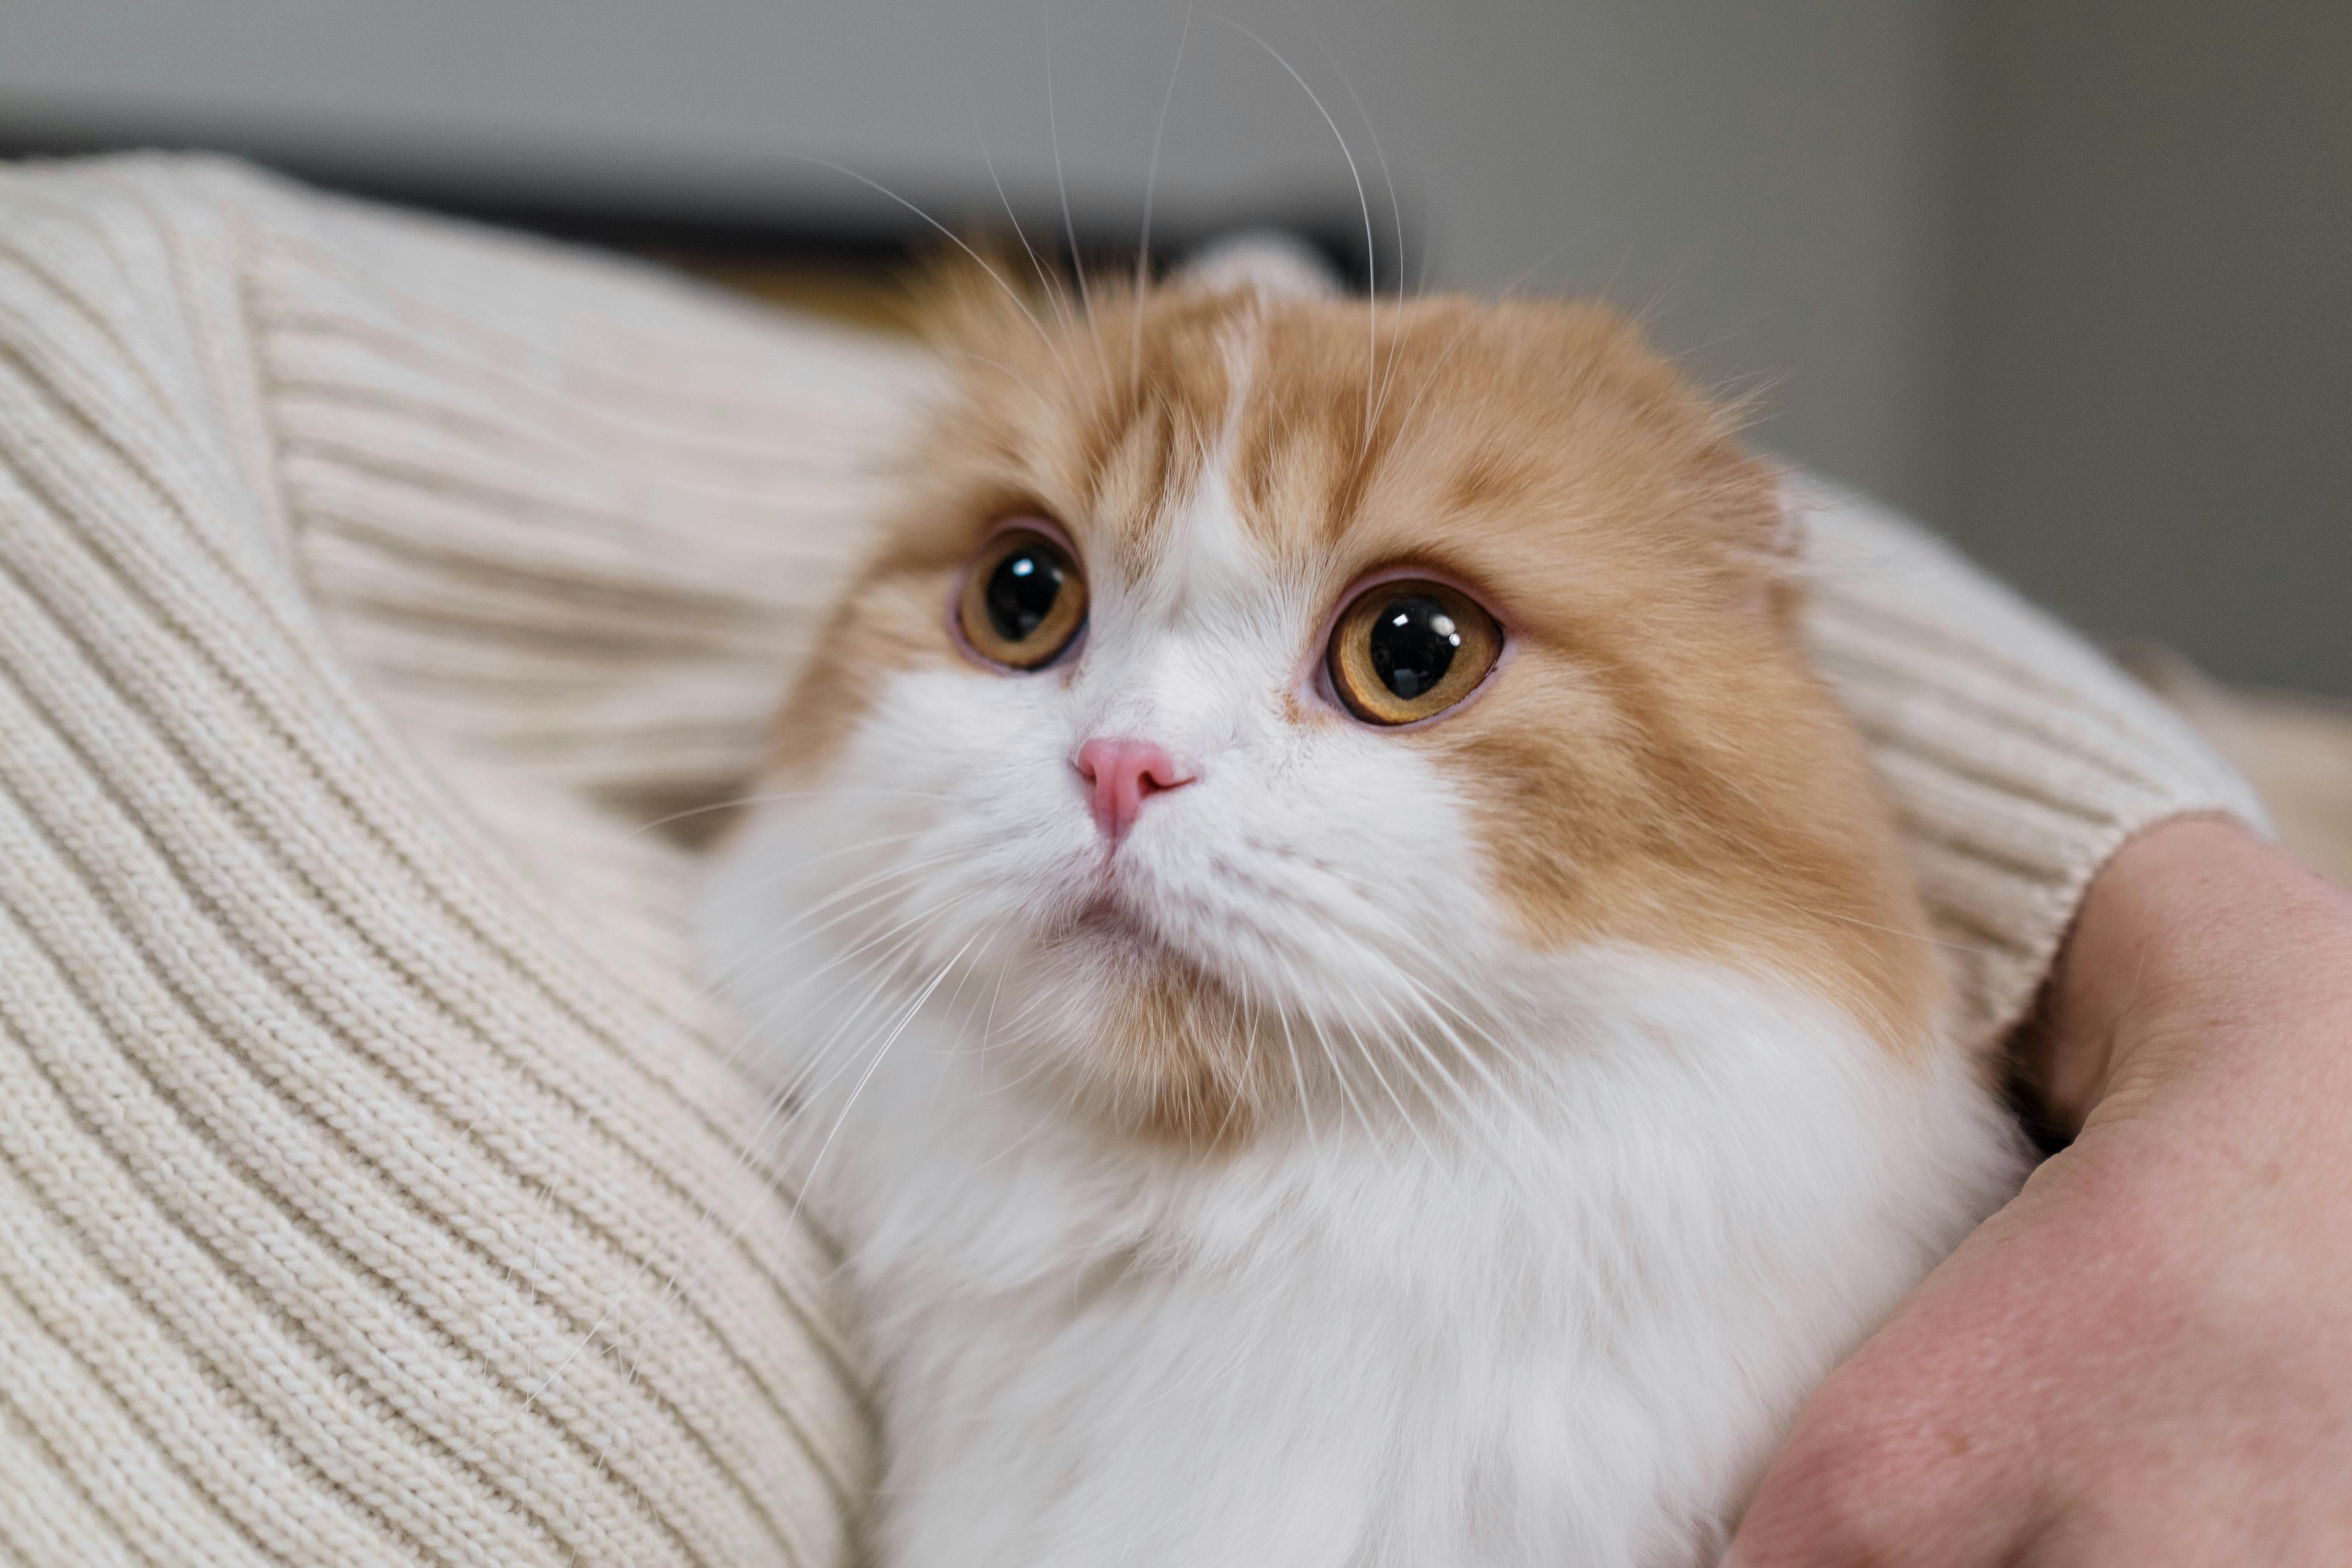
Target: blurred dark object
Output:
[{"x": 855, "y": 231}]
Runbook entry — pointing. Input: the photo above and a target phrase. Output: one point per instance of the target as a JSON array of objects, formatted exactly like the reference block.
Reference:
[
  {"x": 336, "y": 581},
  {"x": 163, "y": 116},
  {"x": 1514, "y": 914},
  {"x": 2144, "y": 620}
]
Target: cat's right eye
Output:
[{"x": 1023, "y": 599}]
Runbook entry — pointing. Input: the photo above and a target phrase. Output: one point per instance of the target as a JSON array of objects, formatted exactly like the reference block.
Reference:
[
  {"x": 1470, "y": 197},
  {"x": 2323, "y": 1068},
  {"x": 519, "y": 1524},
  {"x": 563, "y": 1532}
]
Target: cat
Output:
[{"x": 1351, "y": 998}]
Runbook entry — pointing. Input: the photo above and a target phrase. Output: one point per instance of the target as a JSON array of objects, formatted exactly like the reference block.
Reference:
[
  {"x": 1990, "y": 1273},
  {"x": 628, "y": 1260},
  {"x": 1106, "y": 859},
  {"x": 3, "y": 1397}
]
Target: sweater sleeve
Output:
[
  {"x": 368, "y": 1194},
  {"x": 2017, "y": 759}
]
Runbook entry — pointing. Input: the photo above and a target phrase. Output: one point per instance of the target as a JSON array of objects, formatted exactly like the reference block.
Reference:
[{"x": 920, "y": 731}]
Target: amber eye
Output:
[
  {"x": 1408, "y": 650},
  {"x": 1023, "y": 600}
]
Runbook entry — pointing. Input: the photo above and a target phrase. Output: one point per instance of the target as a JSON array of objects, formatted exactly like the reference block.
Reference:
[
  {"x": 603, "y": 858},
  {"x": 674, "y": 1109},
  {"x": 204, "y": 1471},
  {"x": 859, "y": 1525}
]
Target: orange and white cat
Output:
[{"x": 1351, "y": 998}]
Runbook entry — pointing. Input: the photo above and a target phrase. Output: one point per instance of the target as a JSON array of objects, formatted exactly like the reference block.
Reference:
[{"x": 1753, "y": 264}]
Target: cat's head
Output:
[{"x": 1259, "y": 689}]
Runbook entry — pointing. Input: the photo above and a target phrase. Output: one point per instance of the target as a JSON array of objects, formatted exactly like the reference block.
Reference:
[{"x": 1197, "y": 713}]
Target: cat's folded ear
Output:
[
  {"x": 972, "y": 299},
  {"x": 1278, "y": 264},
  {"x": 1768, "y": 525}
]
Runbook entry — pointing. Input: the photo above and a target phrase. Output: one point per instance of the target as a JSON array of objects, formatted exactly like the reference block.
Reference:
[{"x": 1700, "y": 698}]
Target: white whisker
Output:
[
  {"x": 767, "y": 796},
  {"x": 1044, "y": 278},
  {"x": 1371, "y": 261},
  {"x": 775, "y": 945},
  {"x": 1347, "y": 1091},
  {"x": 1298, "y": 1077},
  {"x": 1411, "y": 1126},
  {"x": 1150, "y": 185},
  {"x": 913, "y": 1009},
  {"x": 1069, "y": 226},
  {"x": 1396, "y": 211},
  {"x": 953, "y": 238},
  {"x": 771, "y": 1124}
]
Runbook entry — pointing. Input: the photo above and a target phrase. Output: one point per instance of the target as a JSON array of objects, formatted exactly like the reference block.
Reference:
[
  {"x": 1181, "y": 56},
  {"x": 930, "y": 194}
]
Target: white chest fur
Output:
[{"x": 1567, "y": 1330}]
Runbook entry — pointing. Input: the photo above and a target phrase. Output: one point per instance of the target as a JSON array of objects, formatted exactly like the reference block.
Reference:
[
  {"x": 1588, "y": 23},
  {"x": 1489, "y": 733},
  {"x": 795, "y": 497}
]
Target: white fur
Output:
[
  {"x": 1278, "y": 264},
  {"x": 1536, "y": 1264}
]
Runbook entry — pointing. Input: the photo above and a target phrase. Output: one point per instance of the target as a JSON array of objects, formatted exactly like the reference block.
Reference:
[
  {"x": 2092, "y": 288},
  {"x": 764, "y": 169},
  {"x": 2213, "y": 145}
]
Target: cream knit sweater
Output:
[{"x": 371, "y": 1185}]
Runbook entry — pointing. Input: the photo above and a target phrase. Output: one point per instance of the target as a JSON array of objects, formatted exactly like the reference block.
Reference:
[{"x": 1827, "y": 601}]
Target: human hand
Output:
[{"x": 2145, "y": 1358}]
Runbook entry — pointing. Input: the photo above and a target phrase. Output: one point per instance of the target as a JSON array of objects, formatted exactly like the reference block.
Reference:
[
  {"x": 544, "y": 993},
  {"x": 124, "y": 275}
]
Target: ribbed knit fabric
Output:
[
  {"x": 373, "y": 1183},
  {"x": 2018, "y": 758},
  {"x": 371, "y": 1179}
]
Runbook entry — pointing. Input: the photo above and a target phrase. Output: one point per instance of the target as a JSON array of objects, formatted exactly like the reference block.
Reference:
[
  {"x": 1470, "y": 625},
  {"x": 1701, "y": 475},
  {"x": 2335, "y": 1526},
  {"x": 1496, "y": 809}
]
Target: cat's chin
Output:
[
  {"x": 1103, "y": 923},
  {"x": 1103, "y": 941},
  {"x": 1154, "y": 1046}
]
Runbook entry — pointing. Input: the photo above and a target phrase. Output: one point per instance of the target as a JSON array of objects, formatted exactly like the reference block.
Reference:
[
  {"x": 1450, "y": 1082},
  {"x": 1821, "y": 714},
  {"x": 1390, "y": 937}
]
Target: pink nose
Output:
[{"x": 1123, "y": 775}]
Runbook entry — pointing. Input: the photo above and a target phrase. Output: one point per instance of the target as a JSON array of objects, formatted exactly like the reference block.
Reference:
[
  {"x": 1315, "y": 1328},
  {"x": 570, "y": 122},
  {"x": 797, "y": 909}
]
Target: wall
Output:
[{"x": 2153, "y": 374}]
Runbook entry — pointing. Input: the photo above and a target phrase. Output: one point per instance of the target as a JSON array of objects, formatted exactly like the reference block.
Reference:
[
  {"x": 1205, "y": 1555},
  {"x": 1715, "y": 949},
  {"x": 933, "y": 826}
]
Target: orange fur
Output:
[{"x": 1655, "y": 765}]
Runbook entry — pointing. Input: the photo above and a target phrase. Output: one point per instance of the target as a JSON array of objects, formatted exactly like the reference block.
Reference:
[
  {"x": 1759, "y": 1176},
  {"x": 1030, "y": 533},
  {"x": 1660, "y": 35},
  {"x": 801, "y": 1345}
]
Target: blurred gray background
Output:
[{"x": 2067, "y": 278}]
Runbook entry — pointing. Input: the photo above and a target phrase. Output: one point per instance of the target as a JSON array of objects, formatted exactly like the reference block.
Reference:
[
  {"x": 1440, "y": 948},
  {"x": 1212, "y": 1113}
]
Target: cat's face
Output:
[{"x": 1255, "y": 686}]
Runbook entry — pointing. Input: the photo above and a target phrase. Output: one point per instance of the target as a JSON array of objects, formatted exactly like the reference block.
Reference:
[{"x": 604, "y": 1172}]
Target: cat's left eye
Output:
[
  {"x": 1409, "y": 649},
  {"x": 1023, "y": 599}
]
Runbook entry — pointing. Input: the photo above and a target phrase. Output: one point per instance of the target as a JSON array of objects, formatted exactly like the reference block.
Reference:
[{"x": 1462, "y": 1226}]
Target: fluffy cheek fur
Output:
[{"x": 1248, "y": 935}]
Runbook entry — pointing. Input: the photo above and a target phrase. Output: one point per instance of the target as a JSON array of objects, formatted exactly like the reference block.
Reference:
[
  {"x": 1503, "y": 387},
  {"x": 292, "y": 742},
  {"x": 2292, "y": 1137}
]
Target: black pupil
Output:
[
  {"x": 1021, "y": 591},
  {"x": 1413, "y": 641}
]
